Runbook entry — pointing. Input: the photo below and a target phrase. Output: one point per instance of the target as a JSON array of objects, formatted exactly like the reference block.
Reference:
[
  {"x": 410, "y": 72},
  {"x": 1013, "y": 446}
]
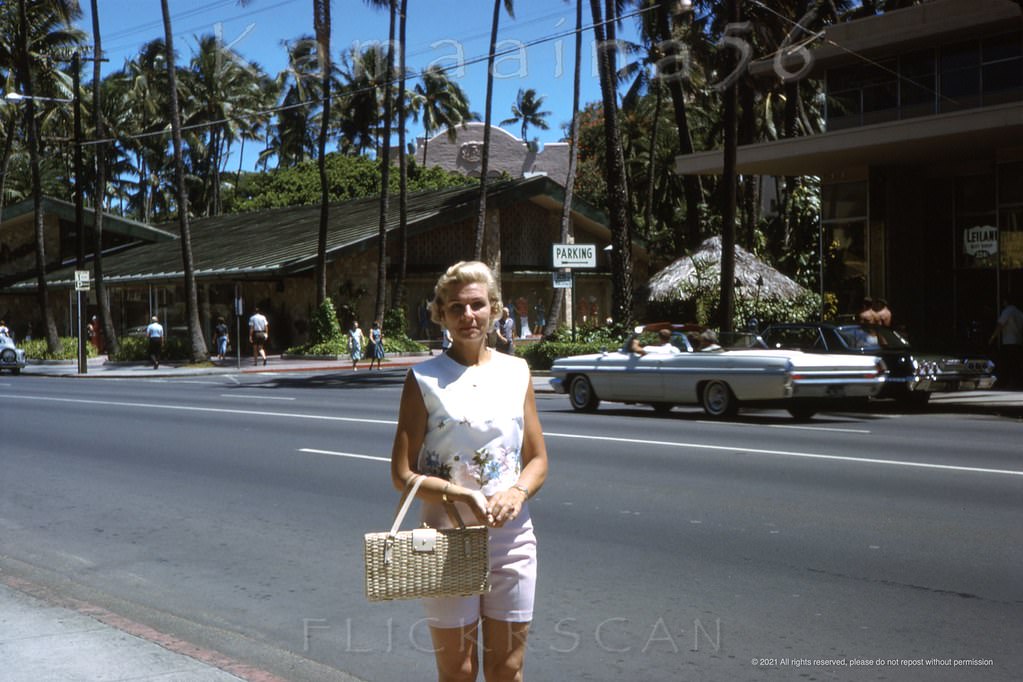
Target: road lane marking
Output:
[
  {"x": 248, "y": 396},
  {"x": 788, "y": 453},
  {"x": 344, "y": 454},
  {"x": 836, "y": 429},
  {"x": 215, "y": 410},
  {"x": 548, "y": 434}
]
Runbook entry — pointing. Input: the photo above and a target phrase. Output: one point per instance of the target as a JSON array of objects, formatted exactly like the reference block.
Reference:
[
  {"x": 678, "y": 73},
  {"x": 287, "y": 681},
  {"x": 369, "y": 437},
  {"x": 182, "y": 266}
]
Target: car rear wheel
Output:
[
  {"x": 915, "y": 399},
  {"x": 802, "y": 412},
  {"x": 581, "y": 394},
  {"x": 718, "y": 401}
]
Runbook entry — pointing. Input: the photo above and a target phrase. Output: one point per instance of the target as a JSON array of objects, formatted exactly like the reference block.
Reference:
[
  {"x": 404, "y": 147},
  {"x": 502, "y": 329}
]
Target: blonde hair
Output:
[{"x": 465, "y": 272}]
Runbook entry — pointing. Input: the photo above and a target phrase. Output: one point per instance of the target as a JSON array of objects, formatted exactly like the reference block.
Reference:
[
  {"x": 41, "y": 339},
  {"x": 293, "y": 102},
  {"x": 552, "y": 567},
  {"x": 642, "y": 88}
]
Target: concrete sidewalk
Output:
[{"x": 44, "y": 642}]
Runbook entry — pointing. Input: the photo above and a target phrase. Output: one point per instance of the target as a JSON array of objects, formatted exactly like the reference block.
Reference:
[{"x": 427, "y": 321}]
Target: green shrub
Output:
[
  {"x": 135, "y": 349},
  {"x": 324, "y": 327},
  {"x": 396, "y": 338},
  {"x": 541, "y": 355},
  {"x": 35, "y": 349}
]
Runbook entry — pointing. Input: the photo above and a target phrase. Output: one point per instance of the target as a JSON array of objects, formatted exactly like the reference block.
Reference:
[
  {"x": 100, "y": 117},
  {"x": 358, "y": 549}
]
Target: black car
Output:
[{"x": 911, "y": 377}]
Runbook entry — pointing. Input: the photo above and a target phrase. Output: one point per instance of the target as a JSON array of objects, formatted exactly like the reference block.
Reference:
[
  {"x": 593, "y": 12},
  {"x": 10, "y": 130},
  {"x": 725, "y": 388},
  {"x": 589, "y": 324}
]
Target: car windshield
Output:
[{"x": 871, "y": 338}]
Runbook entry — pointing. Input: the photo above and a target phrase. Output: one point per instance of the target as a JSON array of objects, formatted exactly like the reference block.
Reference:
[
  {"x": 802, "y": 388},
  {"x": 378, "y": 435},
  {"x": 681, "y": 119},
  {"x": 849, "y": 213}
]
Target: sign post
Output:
[
  {"x": 239, "y": 307},
  {"x": 82, "y": 283},
  {"x": 568, "y": 257}
]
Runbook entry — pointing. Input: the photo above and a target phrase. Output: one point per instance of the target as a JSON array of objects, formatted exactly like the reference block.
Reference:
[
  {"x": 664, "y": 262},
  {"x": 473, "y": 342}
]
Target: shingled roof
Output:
[{"x": 283, "y": 241}]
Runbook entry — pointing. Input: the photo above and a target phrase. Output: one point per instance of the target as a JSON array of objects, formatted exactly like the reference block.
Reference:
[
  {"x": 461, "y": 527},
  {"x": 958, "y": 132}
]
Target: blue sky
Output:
[{"x": 439, "y": 31}]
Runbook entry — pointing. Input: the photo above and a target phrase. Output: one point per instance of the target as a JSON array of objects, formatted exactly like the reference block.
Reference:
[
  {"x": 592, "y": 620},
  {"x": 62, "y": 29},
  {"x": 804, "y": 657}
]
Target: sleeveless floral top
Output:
[{"x": 475, "y": 421}]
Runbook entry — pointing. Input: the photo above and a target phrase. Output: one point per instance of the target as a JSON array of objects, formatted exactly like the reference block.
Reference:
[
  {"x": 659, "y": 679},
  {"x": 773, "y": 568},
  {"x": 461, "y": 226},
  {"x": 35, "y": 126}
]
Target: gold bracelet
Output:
[
  {"x": 444, "y": 493},
  {"x": 523, "y": 489}
]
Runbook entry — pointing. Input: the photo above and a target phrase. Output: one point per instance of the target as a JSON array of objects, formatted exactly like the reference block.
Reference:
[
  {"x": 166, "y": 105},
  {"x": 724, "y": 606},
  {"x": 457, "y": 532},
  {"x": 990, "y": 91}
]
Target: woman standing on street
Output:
[{"x": 468, "y": 422}]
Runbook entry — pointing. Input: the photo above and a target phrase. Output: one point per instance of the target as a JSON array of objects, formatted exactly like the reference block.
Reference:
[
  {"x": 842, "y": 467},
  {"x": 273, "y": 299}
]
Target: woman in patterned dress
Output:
[
  {"x": 376, "y": 344},
  {"x": 468, "y": 422}
]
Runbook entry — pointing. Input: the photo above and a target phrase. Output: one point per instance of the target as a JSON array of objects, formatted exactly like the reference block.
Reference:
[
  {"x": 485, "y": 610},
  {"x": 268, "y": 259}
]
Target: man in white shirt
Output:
[
  {"x": 154, "y": 332},
  {"x": 1010, "y": 360},
  {"x": 259, "y": 332}
]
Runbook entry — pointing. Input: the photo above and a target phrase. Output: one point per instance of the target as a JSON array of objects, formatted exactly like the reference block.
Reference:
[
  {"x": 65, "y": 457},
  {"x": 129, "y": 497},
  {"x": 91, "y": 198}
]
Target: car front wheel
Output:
[
  {"x": 718, "y": 400},
  {"x": 581, "y": 394}
]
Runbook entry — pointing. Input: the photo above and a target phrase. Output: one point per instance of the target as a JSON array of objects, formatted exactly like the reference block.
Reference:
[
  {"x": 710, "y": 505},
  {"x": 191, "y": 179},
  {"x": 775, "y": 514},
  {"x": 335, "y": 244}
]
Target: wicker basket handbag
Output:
[{"x": 426, "y": 562}]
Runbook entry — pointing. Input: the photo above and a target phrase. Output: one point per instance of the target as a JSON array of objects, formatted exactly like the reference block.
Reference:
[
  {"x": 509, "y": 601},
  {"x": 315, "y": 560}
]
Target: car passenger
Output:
[{"x": 665, "y": 347}]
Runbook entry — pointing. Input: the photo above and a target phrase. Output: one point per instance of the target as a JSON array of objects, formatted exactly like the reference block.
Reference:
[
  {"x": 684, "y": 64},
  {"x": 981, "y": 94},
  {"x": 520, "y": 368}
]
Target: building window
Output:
[
  {"x": 954, "y": 77},
  {"x": 976, "y": 222},
  {"x": 846, "y": 257},
  {"x": 1010, "y": 215}
]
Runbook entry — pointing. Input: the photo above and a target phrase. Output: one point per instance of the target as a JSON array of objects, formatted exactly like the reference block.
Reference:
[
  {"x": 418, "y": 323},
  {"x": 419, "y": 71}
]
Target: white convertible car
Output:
[{"x": 719, "y": 380}]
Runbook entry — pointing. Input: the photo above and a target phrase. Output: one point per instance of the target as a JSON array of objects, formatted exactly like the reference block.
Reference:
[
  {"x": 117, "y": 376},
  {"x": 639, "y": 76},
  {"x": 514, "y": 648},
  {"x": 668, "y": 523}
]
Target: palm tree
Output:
[
  {"x": 292, "y": 139},
  {"x": 443, "y": 104},
  {"x": 226, "y": 95},
  {"x": 33, "y": 37},
  {"x": 198, "y": 342},
  {"x": 385, "y": 160},
  {"x": 573, "y": 157},
  {"x": 105, "y": 318},
  {"x": 321, "y": 22},
  {"x": 481, "y": 219},
  {"x": 617, "y": 192},
  {"x": 527, "y": 110}
]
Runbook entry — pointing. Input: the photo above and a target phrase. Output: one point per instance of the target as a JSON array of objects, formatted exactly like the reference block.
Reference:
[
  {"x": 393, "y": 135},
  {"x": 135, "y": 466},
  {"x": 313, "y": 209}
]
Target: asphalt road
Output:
[{"x": 229, "y": 511}]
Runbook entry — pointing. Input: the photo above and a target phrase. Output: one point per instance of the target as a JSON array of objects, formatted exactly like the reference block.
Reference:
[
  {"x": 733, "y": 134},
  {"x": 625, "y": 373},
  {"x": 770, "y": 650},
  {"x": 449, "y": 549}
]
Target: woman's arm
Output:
[
  {"x": 507, "y": 504},
  {"x": 408, "y": 439}
]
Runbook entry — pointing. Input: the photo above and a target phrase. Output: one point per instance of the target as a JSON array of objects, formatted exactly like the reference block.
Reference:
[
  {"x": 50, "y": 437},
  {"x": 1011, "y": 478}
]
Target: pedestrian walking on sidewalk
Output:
[
  {"x": 259, "y": 332},
  {"x": 376, "y": 345},
  {"x": 467, "y": 421},
  {"x": 220, "y": 338},
  {"x": 154, "y": 332}
]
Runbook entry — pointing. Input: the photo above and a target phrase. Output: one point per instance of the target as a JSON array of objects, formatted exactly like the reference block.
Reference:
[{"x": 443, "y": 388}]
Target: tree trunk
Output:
[
  {"x": 481, "y": 217},
  {"x": 617, "y": 192},
  {"x": 399, "y": 293},
  {"x": 385, "y": 170},
  {"x": 573, "y": 156},
  {"x": 105, "y": 317},
  {"x": 727, "y": 306},
  {"x": 692, "y": 187},
  {"x": 198, "y": 343},
  {"x": 53, "y": 343},
  {"x": 321, "y": 20}
]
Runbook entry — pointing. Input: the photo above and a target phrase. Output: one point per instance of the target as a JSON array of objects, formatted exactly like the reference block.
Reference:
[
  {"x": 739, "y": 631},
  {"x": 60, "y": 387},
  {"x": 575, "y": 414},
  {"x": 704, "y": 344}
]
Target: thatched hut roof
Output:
[{"x": 703, "y": 269}]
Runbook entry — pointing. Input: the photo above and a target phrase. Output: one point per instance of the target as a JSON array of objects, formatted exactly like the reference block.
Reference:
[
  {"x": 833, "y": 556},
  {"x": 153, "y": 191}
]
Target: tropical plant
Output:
[
  {"x": 33, "y": 37},
  {"x": 443, "y": 104},
  {"x": 527, "y": 110},
  {"x": 621, "y": 240},
  {"x": 197, "y": 338}
]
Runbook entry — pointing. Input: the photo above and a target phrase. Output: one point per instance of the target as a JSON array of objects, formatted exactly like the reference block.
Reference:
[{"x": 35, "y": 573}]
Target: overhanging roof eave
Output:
[{"x": 906, "y": 142}]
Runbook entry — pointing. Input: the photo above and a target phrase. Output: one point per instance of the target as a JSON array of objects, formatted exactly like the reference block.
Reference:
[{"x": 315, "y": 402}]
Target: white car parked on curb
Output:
[{"x": 719, "y": 380}]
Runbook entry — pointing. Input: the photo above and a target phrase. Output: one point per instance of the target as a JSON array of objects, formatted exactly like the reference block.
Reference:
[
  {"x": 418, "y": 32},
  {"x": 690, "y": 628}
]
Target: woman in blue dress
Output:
[
  {"x": 376, "y": 345},
  {"x": 356, "y": 342}
]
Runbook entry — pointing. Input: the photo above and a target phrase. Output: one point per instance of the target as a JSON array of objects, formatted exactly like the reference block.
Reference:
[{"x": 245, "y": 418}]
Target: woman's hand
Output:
[{"x": 505, "y": 506}]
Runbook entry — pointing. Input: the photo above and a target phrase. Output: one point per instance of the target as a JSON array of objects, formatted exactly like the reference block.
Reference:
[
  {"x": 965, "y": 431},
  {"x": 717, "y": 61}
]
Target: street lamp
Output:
[{"x": 16, "y": 97}]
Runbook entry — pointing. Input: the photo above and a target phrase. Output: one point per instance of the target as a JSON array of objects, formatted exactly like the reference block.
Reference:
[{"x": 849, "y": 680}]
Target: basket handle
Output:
[{"x": 411, "y": 488}]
